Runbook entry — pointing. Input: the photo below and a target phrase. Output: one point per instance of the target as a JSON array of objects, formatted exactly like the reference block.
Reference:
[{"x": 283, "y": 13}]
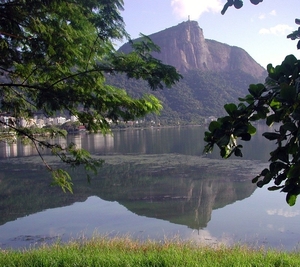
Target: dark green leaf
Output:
[
  {"x": 256, "y": 90},
  {"x": 277, "y": 166},
  {"x": 251, "y": 129},
  {"x": 280, "y": 178},
  {"x": 290, "y": 61},
  {"x": 274, "y": 188},
  {"x": 271, "y": 136},
  {"x": 294, "y": 171},
  {"x": 288, "y": 93},
  {"x": 238, "y": 152},
  {"x": 208, "y": 137},
  {"x": 270, "y": 119},
  {"x": 288, "y": 188},
  {"x": 260, "y": 184},
  {"x": 289, "y": 126},
  {"x": 240, "y": 130},
  {"x": 283, "y": 155},
  {"x": 245, "y": 137},
  {"x": 264, "y": 172},
  {"x": 214, "y": 125},
  {"x": 223, "y": 152},
  {"x": 223, "y": 141},
  {"x": 255, "y": 117},
  {"x": 267, "y": 178},
  {"x": 255, "y": 179},
  {"x": 249, "y": 99},
  {"x": 230, "y": 108}
]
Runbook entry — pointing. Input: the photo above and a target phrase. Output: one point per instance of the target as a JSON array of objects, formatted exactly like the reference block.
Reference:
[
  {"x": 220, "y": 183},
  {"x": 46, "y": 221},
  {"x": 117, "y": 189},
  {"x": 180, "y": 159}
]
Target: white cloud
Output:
[
  {"x": 284, "y": 213},
  {"x": 264, "y": 31},
  {"x": 195, "y": 8},
  {"x": 280, "y": 29},
  {"x": 264, "y": 16},
  {"x": 205, "y": 237}
]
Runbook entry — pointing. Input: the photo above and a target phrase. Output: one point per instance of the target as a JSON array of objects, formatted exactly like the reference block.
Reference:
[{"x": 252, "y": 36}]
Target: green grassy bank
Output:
[{"x": 127, "y": 252}]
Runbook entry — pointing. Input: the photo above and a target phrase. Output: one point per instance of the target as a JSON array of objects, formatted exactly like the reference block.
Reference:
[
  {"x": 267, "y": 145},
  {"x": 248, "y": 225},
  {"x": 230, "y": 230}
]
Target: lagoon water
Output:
[{"x": 155, "y": 184}]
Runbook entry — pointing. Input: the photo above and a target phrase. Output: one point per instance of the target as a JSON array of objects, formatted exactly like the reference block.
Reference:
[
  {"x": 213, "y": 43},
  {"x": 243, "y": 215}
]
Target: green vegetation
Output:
[
  {"x": 127, "y": 252},
  {"x": 53, "y": 56},
  {"x": 275, "y": 101},
  {"x": 192, "y": 99}
]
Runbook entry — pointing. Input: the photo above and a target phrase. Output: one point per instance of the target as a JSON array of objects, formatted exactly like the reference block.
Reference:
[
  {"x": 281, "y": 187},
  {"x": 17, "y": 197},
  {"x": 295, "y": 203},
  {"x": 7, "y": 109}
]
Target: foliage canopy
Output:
[
  {"x": 277, "y": 101},
  {"x": 53, "y": 56}
]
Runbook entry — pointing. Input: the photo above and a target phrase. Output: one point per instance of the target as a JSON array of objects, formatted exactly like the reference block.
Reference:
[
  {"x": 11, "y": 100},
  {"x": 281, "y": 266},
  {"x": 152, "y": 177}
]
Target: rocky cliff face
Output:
[
  {"x": 213, "y": 74},
  {"x": 185, "y": 47}
]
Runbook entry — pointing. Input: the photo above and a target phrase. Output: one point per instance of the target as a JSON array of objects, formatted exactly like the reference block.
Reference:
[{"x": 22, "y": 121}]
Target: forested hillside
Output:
[
  {"x": 213, "y": 74},
  {"x": 197, "y": 96}
]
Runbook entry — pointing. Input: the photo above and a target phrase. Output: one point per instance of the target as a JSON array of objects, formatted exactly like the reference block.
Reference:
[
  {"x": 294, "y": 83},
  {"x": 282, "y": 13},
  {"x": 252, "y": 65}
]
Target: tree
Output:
[
  {"x": 275, "y": 101},
  {"x": 53, "y": 57}
]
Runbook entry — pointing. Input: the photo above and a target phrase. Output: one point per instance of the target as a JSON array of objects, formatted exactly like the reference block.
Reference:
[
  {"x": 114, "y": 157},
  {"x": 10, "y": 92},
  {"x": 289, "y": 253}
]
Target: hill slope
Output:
[{"x": 214, "y": 74}]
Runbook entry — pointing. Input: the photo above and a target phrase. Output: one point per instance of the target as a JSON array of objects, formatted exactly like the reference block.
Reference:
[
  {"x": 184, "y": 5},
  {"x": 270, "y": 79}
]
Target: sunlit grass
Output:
[{"x": 124, "y": 251}]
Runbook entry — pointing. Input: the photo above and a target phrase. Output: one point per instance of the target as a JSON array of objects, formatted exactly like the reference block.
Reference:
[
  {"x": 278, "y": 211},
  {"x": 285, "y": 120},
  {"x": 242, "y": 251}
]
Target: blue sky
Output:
[{"x": 261, "y": 30}]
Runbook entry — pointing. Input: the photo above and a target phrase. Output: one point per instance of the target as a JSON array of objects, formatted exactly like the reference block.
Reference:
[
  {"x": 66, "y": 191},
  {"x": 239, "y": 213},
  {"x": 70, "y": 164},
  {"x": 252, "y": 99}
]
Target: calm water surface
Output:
[{"x": 155, "y": 184}]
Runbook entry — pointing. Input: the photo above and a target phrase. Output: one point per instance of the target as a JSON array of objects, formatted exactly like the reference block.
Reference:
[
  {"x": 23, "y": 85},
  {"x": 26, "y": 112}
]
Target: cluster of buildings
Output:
[
  {"x": 36, "y": 121},
  {"x": 42, "y": 121}
]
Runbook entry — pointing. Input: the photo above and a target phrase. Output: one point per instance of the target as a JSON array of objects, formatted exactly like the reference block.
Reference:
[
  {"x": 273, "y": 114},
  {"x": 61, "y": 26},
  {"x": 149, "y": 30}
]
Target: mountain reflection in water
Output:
[
  {"x": 180, "y": 189},
  {"x": 161, "y": 184}
]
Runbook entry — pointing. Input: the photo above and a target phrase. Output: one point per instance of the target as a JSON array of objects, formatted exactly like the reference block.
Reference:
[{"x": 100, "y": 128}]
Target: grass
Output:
[{"x": 101, "y": 251}]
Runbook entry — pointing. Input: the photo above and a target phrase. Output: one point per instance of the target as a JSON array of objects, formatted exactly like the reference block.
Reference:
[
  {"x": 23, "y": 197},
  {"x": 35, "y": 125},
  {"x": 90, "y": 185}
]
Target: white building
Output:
[{"x": 59, "y": 120}]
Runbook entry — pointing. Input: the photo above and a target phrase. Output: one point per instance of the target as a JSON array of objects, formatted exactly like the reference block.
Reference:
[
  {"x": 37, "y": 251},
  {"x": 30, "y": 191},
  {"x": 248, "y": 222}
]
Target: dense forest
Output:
[{"x": 199, "y": 95}]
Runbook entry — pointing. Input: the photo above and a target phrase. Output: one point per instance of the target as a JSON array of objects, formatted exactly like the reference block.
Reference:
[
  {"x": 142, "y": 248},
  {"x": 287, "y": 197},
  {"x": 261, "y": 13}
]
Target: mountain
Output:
[{"x": 214, "y": 74}]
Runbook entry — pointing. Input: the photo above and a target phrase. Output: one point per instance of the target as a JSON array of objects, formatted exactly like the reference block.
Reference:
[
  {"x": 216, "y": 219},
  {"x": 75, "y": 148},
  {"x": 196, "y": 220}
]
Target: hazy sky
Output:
[{"x": 261, "y": 30}]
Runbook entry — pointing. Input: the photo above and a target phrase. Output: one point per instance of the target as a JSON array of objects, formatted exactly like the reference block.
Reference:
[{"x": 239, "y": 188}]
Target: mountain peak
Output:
[{"x": 184, "y": 47}]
